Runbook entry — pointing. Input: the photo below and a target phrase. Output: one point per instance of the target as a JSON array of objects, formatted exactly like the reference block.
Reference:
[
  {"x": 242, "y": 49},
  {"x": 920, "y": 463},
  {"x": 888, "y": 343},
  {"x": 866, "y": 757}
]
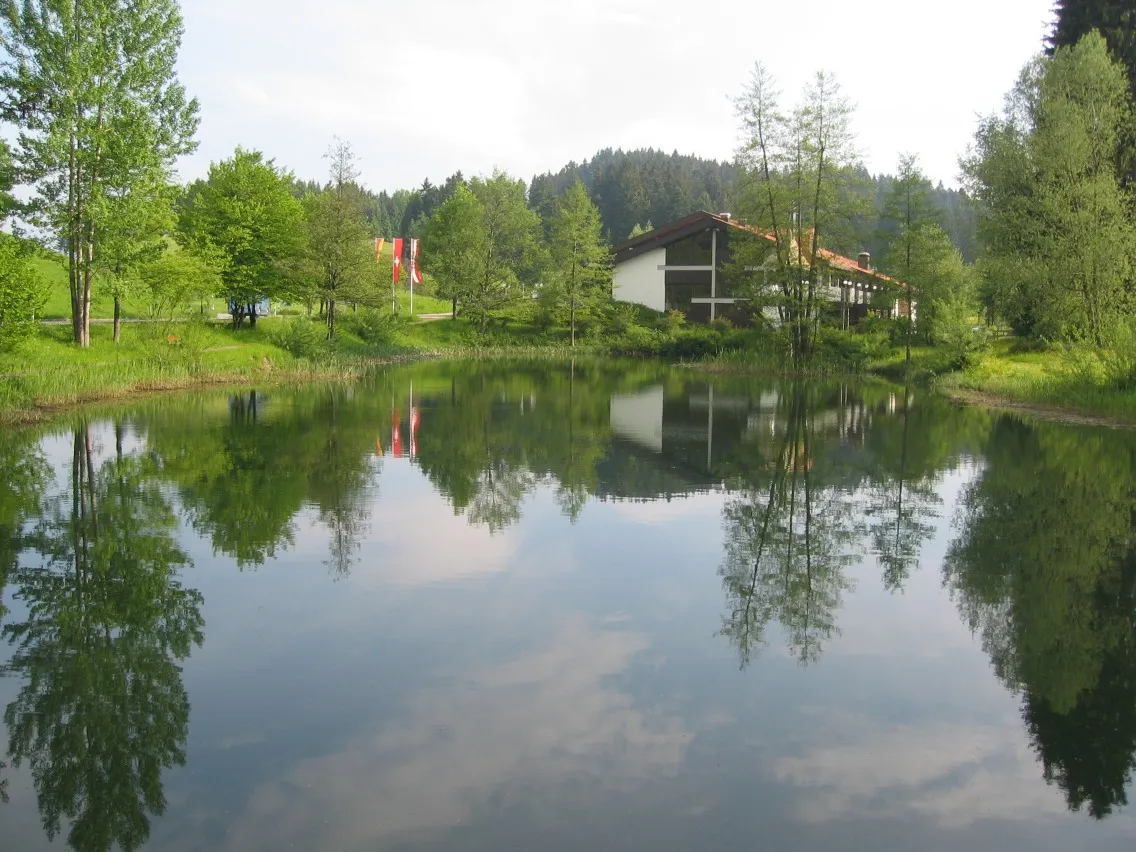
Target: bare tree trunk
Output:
[
  {"x": 454, "y": 308},
  {"x": 330, "y": 318},
  {"x": 117, "y": 318},
  {"x": 573, "y": 320}
]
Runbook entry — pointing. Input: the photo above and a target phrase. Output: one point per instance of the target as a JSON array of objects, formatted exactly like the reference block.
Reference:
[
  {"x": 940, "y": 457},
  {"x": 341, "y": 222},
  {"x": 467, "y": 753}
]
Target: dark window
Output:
[
  {"x": 682, "y": 287},
  {"x": 690, "y": 251}
]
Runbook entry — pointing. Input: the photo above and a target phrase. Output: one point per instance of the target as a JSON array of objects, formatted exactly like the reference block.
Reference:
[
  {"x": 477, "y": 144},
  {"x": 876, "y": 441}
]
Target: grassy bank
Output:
[
  {"x": 49, "y": 373},
  {"x": 1055, "y": 380}
]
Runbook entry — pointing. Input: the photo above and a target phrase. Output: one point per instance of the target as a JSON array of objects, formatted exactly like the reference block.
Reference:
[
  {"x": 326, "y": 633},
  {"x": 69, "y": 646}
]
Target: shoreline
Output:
[
  {"x": 42, "y": 411},
  {"x": 1053, "y": 413},
  {"x": 46, "y": 410}
]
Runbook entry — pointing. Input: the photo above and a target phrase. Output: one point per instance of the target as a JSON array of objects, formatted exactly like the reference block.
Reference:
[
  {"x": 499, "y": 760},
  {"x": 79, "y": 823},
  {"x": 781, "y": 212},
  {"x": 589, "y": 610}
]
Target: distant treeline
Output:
[{"x": 635, "y": 190}]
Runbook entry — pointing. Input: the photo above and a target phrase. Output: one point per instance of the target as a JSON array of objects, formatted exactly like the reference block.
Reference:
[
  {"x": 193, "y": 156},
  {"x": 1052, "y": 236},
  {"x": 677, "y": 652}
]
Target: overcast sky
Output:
[{"x": 422, "y": 88}]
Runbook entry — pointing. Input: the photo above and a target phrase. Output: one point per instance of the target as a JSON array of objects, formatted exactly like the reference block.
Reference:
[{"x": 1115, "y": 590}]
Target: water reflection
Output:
[
  {"x": 101, "y": 711},
  {"x": 808, "y": 482},
  {"x": 1044, "y": 569}
]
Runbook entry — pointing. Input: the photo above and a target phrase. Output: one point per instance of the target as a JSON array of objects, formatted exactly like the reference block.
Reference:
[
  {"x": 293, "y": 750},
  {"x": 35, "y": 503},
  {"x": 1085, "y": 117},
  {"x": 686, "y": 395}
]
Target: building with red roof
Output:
[{"x": 679, "y": 266}]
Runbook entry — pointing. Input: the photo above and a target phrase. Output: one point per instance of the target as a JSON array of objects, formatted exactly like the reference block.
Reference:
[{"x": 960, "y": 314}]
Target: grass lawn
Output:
[
  {"x": 50, "y": 372},
  {"x": 1053, "y": 378}
]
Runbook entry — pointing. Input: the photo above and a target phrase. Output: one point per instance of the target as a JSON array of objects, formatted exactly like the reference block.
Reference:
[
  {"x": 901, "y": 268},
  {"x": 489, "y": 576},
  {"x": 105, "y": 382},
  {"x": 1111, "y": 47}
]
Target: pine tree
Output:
[{"x": 580, "y": 279}]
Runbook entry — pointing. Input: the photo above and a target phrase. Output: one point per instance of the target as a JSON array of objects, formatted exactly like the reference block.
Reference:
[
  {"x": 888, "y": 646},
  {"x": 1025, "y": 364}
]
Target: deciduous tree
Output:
[
  {"x": 339, "y": 236},
  {"x": 99, "y": 110},
  {"x": 453, "y": 245},
  {"x": 579, "y": 279},
  {"x": 511, "y": 232},
  {"x": 796, "y": 176},
  {"x": 1059, "y": 240},
  {"x": 246, "y": 214}
]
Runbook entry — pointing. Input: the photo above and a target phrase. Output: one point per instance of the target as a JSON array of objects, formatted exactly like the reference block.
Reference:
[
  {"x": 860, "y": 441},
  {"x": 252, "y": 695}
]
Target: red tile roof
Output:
[{"x": 674, "y": 231}]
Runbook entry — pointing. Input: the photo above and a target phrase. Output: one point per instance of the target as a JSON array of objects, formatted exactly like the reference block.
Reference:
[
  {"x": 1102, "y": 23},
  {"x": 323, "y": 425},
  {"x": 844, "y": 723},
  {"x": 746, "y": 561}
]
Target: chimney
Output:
[
  {"x": 725, "y": 216},
  {"x": 864, "y": 261}
]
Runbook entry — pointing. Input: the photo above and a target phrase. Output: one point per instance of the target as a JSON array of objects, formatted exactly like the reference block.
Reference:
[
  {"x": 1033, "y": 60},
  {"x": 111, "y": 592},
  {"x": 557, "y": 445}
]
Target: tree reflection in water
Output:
[
  {"x": 1044, "y": 570},
  {"x": 815, "y": 477},
  {"x": 102, "y": 710}
]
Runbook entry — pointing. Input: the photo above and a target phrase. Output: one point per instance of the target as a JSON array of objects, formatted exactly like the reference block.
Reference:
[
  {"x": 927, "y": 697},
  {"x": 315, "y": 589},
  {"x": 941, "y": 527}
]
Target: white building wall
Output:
[
  {"x": 639, "y": 417},
  {"x": 640, "y": 280}
]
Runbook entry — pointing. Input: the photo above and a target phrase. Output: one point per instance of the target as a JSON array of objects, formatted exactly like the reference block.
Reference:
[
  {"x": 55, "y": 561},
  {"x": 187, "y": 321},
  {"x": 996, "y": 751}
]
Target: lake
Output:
[{"x": 542, "y": 606}]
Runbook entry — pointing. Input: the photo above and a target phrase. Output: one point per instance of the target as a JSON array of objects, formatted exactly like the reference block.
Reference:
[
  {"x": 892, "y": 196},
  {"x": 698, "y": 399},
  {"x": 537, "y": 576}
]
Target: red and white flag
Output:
[
  {"x": 415, "y": 275},
  {"x": 396, "y": 435},
  {"x": 396, "y": 264}
]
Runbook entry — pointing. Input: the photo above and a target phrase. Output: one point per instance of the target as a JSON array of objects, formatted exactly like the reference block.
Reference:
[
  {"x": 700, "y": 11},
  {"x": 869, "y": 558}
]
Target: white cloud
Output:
[
  {"x": 540, "y": 718},
  {"x": 952, "y": 773},
  {"x": 424, "y": 89}
]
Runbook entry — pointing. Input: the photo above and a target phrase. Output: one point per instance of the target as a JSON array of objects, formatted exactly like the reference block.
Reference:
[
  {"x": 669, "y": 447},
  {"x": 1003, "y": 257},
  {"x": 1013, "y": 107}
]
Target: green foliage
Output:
[
  {"x": 1059, "y": 240},
  {"x": 957, "y": 329},
  {"x": 23, "y": 293},
  {"x": 176, "y": 278},
  {"x": 797, "y": 167},
  {"x": 511, "y": 246},
  {"x": 632, "y": 187},
  {"x": 245, "y": 215},
  {"x": 1116, "y": 21},
  {"x": 454, "y": 245},
  {"x": 100, "y": 115},
  {"x": 341, "y": 251},
  {"x": 579, "y": 281},
  {"x": 672, "y": 321},
  {"x": 300, "y": 337},
  {"x": 372, "y": 325}
]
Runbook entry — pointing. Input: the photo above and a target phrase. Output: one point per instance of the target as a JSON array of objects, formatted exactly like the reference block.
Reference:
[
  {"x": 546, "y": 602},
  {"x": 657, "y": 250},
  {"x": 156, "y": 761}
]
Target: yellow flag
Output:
[{"x": 379, "y": 243}]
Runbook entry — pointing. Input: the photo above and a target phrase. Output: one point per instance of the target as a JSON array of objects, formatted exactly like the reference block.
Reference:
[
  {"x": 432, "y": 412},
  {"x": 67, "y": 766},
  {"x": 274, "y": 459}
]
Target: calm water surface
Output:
[{"x": 541, "y": 607}]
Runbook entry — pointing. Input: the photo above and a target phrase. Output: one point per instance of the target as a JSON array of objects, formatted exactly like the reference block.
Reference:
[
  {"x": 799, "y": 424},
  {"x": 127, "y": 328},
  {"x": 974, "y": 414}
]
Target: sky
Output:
[{"x": 424, "y": 88}]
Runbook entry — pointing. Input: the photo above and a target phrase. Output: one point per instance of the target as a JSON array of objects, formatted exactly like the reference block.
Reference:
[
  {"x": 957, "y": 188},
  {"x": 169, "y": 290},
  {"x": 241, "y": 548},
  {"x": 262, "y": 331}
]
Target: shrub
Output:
[
  {"x": 300, "y": 337},
  {"x": 963, "y": 341},
  {"x": 672, "y": 321},
  {"x": 636, "y": 340},
  {"x": 1114, "y": 367},
  {"x": 22, "y": 295},
  {"x": 695, "y": 341},
  {"x": 619, "y": 317},
  {"x": 371, "y": 325},
  {"x": 843, "y": 351}
]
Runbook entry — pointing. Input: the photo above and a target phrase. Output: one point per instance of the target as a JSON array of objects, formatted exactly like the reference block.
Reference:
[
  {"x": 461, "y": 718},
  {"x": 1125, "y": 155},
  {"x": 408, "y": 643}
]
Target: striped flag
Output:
[
  {"x": 415, "y": 275},
  {"x": 379, "y": 243},
  {"x": 396, "y": 266},
  {"x": 396, "y": 435}
]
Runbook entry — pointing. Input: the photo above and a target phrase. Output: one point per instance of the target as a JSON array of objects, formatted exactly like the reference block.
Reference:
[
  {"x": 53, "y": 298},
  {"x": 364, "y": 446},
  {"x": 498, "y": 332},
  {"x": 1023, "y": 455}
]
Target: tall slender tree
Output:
[
  {"x": 94, "y": 90},
  {"x": 908, "y": 210},
  {"x": 337, "y": 223},
  {"x": 580, "y": 279},
  {"x": 796, "y": 173}
]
